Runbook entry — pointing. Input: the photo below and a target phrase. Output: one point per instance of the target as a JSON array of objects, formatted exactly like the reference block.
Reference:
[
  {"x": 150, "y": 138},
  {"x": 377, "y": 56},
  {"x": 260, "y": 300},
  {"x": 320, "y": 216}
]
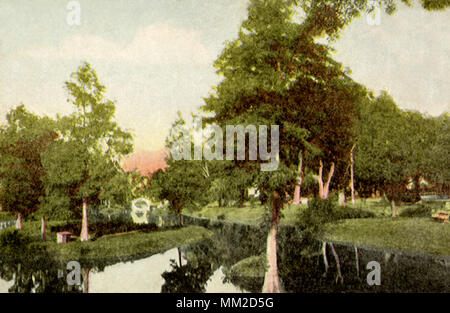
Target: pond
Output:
[
  {"x": 212, "y": 266},
  {"x": 140, "y": 276}
]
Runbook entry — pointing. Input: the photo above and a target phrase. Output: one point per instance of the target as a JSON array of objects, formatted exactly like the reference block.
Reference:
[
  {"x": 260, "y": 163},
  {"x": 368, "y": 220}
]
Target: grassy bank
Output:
[
  {"x": 129, "y": 245},
  {"x": 118, "y": 246},
  {"x": 410, "y": 234}
]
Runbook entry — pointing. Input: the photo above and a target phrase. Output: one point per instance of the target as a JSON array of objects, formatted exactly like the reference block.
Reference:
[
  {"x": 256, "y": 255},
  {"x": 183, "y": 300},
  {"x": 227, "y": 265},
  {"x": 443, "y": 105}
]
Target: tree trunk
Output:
[
  {"x": 299, "y": 182},
  {"x": 338, "y": 264},
  {"x": 326, "y": 188},
  {"x": 325, "y": 259},
  {"x": 243, "y": 198},
  {"x": 181, "y": 257},
  {"x": 84, "y": 226},
  {"x": 352, "y": 182},
  {"x": 44, "y": 229},
  {"x": 19, "y": 221},
  {"x": 86, "y": 280},
  {"x": 272, "y": 279},
  {"x": 357, "y": 261},
  {"x": 342, "y": 198},
  {"x": 181, "y": 218},
  {"x": 394, "y": 208},
  {"x": 320, "y": 179}
]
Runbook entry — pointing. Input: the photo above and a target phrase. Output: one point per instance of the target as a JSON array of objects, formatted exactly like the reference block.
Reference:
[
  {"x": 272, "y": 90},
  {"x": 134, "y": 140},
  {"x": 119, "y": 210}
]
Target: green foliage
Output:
[
  {"x": 100, "y": 229},
  {"x": 221, "y": 217},
  {"x": 251, "y": 267},
  {"x": 425, "y": 209},
  {"x": 22, "y": 141},
  {"x": 182, "y": 184},
  {"x": 385, "y": 159},
  {"x": 421, "y": 210},
  {"x": 276, "y": 73},
  {"x": 7, "y": 216},
  {"x": 320, "y": 212},
  {"x": 12, "y": 241},
  {"x": 52, "y": 211},
  {"x": 187, "y": 278}
]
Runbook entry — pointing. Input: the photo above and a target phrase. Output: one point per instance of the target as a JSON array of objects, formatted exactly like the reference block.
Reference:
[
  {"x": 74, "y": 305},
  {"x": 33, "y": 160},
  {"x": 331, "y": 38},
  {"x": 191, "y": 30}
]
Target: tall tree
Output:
[
  {"x": 276, "y": 73},
  {"x": 87, "y": 157},
  {"x": 391, "y": 149}
]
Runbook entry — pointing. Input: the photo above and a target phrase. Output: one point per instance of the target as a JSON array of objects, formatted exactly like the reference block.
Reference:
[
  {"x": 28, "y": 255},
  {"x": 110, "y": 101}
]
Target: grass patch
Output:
[
  {"x": 120, "y": 246},
  {"x": 410, "y": 234}
]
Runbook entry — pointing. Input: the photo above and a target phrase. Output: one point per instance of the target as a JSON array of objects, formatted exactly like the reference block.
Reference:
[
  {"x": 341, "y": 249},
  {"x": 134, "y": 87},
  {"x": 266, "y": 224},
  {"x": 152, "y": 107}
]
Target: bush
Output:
[
  {"x": 221, "y": 217},
  {"x": 319, "y": 212},
  {"x": 417, "y": 211},
  {"x": 104, "y": 228},
  {"x": 12, "y": 239}
]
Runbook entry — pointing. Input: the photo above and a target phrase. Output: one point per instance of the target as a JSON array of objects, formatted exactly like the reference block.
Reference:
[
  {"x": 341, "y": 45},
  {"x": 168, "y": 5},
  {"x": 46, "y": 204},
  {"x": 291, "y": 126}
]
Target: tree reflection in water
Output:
[{"x": 30, "y": 266}]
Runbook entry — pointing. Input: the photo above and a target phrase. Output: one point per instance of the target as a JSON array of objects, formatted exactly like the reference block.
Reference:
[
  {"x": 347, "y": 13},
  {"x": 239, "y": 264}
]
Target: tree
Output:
[
  {"x": 393, "y": 147},
  {"x": 182, "y": 183},
  {"x": 86, "y": 159},
  {"x": 22, "y": 141},
  {"x": 185, "y": 182},
  {"x": 229, "y": 185},
  {"x": 438, "y": 154},
  {"x": 276, "y": 73}
]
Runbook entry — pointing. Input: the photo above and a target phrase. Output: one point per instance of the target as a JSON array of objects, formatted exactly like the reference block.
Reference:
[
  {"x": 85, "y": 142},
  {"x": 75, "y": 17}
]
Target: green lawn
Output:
[
  {"x": 411, "y": 234},
  {"x": 117, "y": 246}
]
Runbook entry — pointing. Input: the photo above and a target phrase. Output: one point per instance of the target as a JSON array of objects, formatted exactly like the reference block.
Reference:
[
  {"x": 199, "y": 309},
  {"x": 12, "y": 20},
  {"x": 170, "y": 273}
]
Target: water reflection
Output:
[{"x": 162, "y": 273}]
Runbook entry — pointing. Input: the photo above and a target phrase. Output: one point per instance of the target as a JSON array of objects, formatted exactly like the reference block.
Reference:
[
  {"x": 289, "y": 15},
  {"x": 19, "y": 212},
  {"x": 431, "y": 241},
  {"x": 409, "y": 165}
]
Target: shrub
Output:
[
  {"x": 319, "y": 212},
  {"x": 19, "y": 247},
  {"x": 221, "y": 217},
  {"x": 104, "y": 228},
  {"x": 421, "y": 210}
]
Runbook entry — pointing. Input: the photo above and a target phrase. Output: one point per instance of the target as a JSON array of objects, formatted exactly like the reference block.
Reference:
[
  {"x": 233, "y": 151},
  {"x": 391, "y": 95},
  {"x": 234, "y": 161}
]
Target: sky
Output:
[{"x": 156, "y": 56}]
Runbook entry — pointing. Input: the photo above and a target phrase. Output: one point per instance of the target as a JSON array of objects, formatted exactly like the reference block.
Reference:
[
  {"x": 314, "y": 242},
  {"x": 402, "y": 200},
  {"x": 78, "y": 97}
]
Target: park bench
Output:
[{"x": 442, "y": 216}]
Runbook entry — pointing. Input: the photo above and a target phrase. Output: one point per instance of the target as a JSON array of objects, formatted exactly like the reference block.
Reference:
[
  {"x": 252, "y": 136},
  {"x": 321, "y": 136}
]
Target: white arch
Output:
[{"x": 139, "y": 214}]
